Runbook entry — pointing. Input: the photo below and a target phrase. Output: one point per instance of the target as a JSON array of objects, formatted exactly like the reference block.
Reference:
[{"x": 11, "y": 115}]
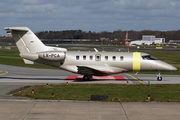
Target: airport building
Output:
[
  {"x": 175, "y": 42},
  {"x": 8, "y": 34},
  {"x": 148, "y": 40}
]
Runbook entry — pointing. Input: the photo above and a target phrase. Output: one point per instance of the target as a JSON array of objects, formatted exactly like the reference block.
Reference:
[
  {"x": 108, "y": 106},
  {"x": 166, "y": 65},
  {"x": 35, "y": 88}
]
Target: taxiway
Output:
[{"x": 12, "y": 77}]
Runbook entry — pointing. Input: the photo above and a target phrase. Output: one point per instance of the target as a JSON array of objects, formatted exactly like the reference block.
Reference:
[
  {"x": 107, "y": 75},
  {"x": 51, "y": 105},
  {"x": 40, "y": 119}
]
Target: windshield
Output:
[{"x": 149, "y": 57}]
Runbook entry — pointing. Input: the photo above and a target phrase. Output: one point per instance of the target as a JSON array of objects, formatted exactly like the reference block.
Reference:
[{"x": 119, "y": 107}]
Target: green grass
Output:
[
  {"x": 166, "y": 93},
  {"x": 127, "y": 93},
  {"x": 11, "y": 57}
]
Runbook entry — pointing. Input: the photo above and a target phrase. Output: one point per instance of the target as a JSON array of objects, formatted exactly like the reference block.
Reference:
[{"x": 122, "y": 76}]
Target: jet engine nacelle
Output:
[{"x": 52, "y": 55}]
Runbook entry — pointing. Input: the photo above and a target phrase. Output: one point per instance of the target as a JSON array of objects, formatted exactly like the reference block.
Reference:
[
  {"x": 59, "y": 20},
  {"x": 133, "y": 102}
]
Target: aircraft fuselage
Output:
[
  {"x": 101, "y": 63},
  {"x": 114, "y": 62}
]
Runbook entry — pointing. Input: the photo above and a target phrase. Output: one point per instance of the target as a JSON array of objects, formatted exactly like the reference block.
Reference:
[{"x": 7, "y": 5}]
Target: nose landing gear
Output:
[{"x": 159, "y": 77}]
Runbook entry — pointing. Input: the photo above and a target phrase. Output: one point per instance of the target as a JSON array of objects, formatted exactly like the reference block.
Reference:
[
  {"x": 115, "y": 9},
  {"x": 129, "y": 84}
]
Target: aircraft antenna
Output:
[{"x": 96, "y": 50}]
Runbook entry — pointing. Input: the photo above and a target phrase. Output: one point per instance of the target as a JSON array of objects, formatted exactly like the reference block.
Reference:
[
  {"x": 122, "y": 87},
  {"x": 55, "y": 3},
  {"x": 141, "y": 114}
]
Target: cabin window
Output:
[
  {"x": 121, "y": 58},
  {"x": 77, "y": 57},
  {"x": 91, "y": 57},
  {"x": 98, "y": 57},
  {"x": 114, "y": 57},
  {"x": 106, "y": 57},
  {"x": 84, "y": 57}
]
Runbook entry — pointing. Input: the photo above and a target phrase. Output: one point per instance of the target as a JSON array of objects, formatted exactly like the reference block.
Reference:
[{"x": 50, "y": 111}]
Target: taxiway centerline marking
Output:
[
  {"x": 135, "y": 78},
  {"x": 6, "y": 72}
]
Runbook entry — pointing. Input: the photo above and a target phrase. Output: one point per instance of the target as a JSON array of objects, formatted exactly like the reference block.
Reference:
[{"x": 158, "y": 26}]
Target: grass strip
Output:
[
  {"x": 11, "y": 57},
  {"x": 127, "y": 93}
]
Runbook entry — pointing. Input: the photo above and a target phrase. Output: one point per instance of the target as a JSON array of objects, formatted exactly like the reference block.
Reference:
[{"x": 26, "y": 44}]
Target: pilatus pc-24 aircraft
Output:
[{"x": 88, "y": 64}]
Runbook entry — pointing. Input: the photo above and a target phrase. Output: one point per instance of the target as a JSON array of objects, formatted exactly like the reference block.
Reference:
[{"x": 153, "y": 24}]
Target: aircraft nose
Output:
[
  {"x": 165, "y": 66},
  {"x": 173, "y": 68}
]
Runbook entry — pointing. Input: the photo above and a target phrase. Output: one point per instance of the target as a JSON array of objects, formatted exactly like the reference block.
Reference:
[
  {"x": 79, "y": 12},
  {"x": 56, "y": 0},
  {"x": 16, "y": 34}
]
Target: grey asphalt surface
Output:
[
  {"x": 13, "y": 77},
  {"x": 21, "y": 108},
  {"x": 86, "y": 110}
]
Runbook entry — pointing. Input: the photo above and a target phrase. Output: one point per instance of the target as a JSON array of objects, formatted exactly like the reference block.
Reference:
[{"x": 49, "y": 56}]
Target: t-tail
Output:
[{"x": 29, "y": 44}]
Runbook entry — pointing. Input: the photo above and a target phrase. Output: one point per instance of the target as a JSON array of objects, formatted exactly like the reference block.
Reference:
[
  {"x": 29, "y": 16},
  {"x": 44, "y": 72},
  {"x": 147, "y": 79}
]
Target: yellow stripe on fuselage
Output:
[{"x": 136, "y": 61}]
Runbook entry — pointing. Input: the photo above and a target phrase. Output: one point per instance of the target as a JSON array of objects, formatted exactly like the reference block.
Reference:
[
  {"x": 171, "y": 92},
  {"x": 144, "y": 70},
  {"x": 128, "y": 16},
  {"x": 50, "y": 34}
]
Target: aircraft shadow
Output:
[{"x": 81, "y": 80}]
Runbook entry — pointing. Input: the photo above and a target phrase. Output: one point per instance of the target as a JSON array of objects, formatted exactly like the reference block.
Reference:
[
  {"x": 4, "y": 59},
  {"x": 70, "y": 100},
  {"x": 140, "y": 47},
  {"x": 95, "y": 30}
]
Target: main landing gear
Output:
[
  {"x": 87, "y": 77},
  {"x": 159, "y": 77}
]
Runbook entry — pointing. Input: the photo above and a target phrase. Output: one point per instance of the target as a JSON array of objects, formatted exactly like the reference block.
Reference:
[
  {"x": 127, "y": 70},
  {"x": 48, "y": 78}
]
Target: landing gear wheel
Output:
[
  {"x": 87, "y": 77},
  {"x": 90, "y": 77},
  {"x": 159, "y": 78}
]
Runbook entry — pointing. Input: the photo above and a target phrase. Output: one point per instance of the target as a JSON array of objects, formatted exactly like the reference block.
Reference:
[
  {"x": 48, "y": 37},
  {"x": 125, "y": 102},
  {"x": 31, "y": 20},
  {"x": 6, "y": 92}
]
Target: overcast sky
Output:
[{"x": 90, "y": 15}]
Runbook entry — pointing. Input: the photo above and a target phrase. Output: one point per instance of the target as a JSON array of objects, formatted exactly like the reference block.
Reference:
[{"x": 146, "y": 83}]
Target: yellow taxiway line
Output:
[
  {"x": 135, "y": 78},
  {"x": 3, "y": 72}
]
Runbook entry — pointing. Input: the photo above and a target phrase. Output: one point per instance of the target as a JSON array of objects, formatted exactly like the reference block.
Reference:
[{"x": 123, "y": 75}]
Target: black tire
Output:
[
  {"x": 159, "y": 78},
  {"x": 87, "y": 77},
  {"x": 90, "y": 77}
]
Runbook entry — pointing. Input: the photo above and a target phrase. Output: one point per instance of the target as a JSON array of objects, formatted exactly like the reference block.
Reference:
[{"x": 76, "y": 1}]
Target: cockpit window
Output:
[{"x": 149, "y": 57}]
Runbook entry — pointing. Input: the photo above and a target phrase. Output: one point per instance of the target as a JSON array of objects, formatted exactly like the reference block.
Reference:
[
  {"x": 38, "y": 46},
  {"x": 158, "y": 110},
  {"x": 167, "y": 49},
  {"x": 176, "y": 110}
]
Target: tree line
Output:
[{"x": 119, "y": 34}]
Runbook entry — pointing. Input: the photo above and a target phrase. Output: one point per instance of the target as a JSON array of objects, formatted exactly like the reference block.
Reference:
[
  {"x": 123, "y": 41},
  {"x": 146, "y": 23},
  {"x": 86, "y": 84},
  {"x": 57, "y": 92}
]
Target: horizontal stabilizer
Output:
[
  {"x": 31, "y": 62},
  {"x": 28, "y": 61},
  {"x": 15, "y": 29}
]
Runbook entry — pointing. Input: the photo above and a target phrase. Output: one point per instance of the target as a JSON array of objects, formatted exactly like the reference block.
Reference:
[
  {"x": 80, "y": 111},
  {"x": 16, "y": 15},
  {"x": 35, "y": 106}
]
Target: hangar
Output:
[{"x": 148, "y": 40}]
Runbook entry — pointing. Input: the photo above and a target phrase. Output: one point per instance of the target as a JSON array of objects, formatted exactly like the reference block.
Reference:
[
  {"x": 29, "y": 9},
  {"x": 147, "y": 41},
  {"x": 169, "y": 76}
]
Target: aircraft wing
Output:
[
  {"x": 98, "y": 70},
  {"x": 85, "y": 70}
]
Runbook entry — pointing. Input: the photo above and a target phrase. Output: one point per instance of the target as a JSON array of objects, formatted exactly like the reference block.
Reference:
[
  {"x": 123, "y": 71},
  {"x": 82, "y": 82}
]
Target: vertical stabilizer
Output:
[{"x": 26, "y": 40}]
